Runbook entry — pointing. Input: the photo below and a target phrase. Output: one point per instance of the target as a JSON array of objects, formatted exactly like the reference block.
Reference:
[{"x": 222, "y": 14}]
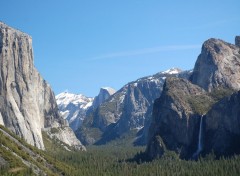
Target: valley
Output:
[
  {"x": 116, "y": 158},
  {"x": 173, "y": 122}
]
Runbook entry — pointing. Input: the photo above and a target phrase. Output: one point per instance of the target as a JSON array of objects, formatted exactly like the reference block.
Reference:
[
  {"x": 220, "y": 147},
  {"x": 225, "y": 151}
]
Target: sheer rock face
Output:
[
  {"x": 175, "y": 121},
  {"x": 104, "y": 94},
  {"x": 222, "y": 133},
  {"x": 218, "y": 65},
  {"x": 27, "y": 103}
]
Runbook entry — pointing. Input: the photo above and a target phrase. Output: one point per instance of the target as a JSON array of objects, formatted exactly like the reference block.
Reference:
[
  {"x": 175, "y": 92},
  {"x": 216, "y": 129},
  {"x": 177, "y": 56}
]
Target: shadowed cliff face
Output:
[
  {"x": 218, "y": 65},
  {"x": 223, "y": 127},
  {"x": 175, "y": 117},
  {"x": 27, "y": 103}
]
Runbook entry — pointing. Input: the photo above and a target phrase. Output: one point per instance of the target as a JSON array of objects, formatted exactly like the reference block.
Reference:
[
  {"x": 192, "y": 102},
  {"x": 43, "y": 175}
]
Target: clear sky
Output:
[{"x": 82, "y": 45}]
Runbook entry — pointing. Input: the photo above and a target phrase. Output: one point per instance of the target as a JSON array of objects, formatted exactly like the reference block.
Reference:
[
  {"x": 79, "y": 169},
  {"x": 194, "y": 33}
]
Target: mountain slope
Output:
[
  {"x": 73, "y": 108},
  {"x": 19, "y": 158}
]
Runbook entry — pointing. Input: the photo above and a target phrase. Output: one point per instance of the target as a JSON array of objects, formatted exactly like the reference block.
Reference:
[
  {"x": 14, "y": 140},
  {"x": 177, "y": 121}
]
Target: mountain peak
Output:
[
  {"x": 217, "y": 66},
  {"x": 108, "y": 89},
  {"x": 11, "y": 30},
  {"x": 64, "y": 98},
  {"x": 172, "y": 71},
  {"x": 73, "y": 107}
]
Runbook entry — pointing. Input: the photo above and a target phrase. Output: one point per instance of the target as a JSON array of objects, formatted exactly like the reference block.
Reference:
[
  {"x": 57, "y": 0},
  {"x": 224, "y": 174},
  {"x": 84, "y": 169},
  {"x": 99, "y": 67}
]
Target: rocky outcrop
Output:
[
  {"x": 66, "y": 135},
  {"x": 175, "y": 117},
  {"x": 128, "y": 109},
  {"x": 104, "y": 94},
  {"x": 218, "y": 65},
  {"x": 222, "y": 131},
  {"x": 73, "y": 108},
  {"x": 237, "y": 41},
  {"x": 27, "y": 103}
]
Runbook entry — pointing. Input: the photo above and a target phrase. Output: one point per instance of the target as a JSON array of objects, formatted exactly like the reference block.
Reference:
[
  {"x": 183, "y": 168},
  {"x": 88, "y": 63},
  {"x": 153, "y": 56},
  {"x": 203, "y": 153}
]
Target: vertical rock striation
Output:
[{"x": 27, "y": 103}]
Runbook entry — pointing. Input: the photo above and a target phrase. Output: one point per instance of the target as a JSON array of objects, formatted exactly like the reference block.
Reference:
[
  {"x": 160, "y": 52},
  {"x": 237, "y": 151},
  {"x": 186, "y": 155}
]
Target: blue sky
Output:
[{"x": 82, "y": 45}]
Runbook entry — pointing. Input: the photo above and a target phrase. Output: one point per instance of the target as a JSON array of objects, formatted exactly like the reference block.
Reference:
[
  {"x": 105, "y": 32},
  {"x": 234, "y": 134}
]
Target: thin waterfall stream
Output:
[{"x": 199, "y": 147}]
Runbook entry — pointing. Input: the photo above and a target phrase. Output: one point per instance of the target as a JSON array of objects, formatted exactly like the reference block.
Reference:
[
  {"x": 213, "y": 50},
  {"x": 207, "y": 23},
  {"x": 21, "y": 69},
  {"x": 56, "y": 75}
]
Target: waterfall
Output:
[{"x": 199, "y": 148}]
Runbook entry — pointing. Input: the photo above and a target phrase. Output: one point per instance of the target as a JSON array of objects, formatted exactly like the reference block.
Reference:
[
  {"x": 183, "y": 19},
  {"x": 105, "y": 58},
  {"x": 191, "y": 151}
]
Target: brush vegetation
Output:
[{"x": 106, "y": 160}]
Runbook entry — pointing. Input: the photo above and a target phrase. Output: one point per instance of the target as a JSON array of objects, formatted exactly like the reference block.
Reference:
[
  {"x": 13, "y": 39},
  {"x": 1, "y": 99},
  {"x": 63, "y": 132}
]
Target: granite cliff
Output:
[
  {"x": 222, "y": 127},
  {"x": 27, "y": 103},
  {"x": 218, "y": 65},
  {"x": 201, "y": 115},
  {"x": 175, "y": 117}
]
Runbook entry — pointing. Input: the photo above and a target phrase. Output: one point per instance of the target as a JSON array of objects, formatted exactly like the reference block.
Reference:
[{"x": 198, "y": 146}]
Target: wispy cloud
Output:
[{"x": 145, "y": 51}]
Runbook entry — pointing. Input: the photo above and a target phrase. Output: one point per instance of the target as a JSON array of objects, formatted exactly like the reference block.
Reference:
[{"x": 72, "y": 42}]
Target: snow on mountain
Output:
[
  {"x": 63, "y": 99},
  {"x": 172, "y": 71},
  {"x": 73, "y": 107},
  {"x": 127, "y": 109}
]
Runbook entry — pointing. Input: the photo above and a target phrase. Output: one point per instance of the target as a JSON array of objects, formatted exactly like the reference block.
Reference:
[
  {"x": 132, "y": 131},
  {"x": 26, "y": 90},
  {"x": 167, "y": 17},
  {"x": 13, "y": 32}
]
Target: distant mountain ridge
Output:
[{"x": 127, "y": 109}]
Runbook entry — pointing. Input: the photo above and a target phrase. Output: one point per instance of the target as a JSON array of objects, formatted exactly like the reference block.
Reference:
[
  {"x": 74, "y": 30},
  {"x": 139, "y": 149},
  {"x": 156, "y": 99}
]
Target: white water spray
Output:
[{"x": 199, "y": 148}]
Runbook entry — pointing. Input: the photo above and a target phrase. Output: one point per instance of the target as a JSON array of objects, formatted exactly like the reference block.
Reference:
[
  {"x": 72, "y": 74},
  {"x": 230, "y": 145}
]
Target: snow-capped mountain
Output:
[{"x": 73, "y": 107}]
